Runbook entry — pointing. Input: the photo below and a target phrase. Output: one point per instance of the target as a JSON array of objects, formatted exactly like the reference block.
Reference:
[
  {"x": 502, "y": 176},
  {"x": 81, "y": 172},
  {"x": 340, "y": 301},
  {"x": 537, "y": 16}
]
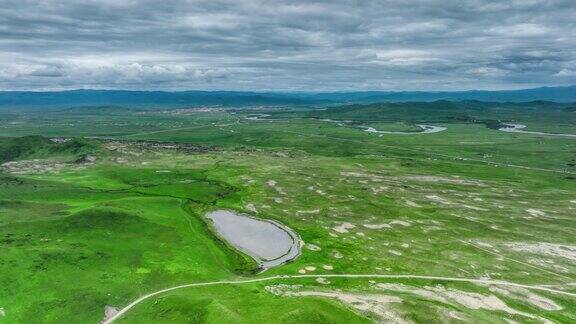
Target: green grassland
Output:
[{"x": 473, "y": 202}]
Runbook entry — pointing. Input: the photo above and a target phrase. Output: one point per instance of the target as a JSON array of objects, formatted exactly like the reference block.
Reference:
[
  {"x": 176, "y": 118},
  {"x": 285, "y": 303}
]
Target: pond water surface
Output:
[{"x": 268, "y": 242}]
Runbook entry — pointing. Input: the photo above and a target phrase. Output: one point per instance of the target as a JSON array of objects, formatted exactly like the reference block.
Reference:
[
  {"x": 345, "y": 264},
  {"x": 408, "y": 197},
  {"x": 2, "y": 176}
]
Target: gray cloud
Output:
[{"x": 286, "y": 44}]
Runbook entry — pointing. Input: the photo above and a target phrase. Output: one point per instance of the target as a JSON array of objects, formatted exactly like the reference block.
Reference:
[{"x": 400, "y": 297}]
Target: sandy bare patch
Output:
[
  {"x": 322, "y": 281},
  {"x": 451, "y": 296},
  {"x": 556, "y": 250},
  {"x": 251, "y": 208},
  {"x": 528, "y": 296},
  {"x": 327, "y": 267},
  {"x": 337, "y": 255},
  {"x": 484, "y": 244},
  {"x": 449, "y": 180},
  {"x": 412, "y": 204},
  {"x": 379, "y": 189},
  {"x": 109, "y": 312},
  {"x": 474, "y": 208},
  {"x": 535, "y": 212},
  {"x": 310, "y": 268},
  {"x": 377, "y": 226},
  {"x": 313, "y": 211},
  {"x": 457, "y": 316},
  {"x": 343, "y": 228},
  {"x": 2, "y": 311},
  {"x": 271, "y": 183},
  {"x": 438, "y": 199},
  {"x": 361, "y": 175},
  {"x": 395, "y": 252},
  {"x": 36, "y": 166},
  {"x": 312, "y": 247},
  {"x": 400, "y": 222},
  {"x": 547, "y": 263},
  {"x": 375, "y": 304},
  {"x": 274, "y": 184},
  {"x": 511, "y": 321},
  {"x": 281, "y": 289},
  {"x": 476, "y": 301}
]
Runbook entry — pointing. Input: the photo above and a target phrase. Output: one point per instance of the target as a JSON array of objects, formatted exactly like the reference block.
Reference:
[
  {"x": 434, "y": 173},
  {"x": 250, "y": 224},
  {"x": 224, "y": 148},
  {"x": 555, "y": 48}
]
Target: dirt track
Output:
[{"x": 375, "y": 276}]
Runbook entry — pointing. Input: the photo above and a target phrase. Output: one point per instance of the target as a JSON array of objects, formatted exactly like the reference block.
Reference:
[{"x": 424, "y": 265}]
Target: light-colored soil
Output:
[
  {"x": 551, "y": 249},
  {"x": 526, "y": 295},
  {"x": 343, "y": 227},
  {"x": 109, "y": 312},
  {"x": 373, "y": 276},
  {"x": 535, "y": 212},
  {"x": 471, "y": 300},
  {"x": 401, "y": 223},
  {"x": 377, "y": 226},
  {"x": 438, "y": 199},
  {"x": 376, "y": 304}
]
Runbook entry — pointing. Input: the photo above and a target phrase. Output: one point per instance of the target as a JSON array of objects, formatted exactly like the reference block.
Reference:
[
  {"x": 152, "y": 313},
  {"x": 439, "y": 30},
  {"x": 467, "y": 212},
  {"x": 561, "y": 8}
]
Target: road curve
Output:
[{"x": 282, "y": 277}]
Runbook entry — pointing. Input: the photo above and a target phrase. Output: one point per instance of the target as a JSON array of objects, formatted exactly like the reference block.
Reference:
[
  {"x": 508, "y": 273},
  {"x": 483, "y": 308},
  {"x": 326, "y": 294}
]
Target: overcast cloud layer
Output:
[{"x": 286, "y": 45}]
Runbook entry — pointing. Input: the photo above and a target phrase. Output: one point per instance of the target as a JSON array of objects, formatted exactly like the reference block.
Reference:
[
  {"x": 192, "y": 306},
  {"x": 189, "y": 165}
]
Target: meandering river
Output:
[
  {"x": 425, "y": 129},
  {"x": 519, "y": 128}
]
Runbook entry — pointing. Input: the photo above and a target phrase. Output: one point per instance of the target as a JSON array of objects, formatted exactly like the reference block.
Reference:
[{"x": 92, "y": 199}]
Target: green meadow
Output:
[{"x": 100, "y": 208}]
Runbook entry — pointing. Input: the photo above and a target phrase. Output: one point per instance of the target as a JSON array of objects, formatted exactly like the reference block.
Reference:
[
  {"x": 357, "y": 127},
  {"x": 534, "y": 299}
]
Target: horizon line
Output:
[{"x": 286, "y": 91}]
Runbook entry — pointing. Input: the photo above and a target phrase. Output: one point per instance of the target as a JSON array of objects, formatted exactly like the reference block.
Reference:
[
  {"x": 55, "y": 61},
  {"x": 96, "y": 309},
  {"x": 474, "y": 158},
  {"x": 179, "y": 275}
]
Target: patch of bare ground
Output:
[
  {"x": 313, "y": 211},
  {"x": 400, "y": 222},
  {"x": 109, "y": 312},
  {"x": 312, "y": 247},
  {"x": 551, "y": 249},
  {"x": 273, "y": 184},
  {"x": 376, "y": 226},
  {"x": 136, "y": 147},
  {"x": 447, "y": 180},
  {"x": 252, "y": 208},
  {"x": 535, "y": 212},
  {"x": 474, "y": 208},
  {"x": 343, "y": 227},
  {"x": 438, "y": 199},
  {"x": 376, "y": 304},
  {"x": 41, "y": 166},
  {"x": 412, "y": 204},
  {"x": 527, "y": 296},
  {"x": 454, "y": 297}
]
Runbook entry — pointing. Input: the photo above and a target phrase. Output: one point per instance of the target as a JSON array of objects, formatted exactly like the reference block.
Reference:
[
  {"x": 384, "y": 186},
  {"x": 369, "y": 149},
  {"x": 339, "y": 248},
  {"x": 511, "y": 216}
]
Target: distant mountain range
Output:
[
  {"x": 556, "y": 94},
  {"x": 239, "y": 98}
]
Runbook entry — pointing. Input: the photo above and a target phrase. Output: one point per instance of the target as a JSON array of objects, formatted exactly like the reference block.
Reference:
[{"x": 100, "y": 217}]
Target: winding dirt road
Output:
[{"x": 374, "y": 276}]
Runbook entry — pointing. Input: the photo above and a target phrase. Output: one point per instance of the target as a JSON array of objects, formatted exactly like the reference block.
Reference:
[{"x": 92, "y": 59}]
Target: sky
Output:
[{"x": 297, "y": 45}]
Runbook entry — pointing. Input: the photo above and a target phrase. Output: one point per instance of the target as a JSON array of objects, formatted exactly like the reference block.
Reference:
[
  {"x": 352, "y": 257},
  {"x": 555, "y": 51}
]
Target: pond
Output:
[{"x": 268, "y": 242}]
